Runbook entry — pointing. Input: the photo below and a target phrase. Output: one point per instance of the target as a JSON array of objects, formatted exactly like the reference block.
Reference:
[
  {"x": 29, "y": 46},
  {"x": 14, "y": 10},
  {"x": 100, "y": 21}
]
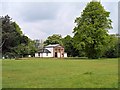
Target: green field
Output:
[{"x": 60, "y": 73}]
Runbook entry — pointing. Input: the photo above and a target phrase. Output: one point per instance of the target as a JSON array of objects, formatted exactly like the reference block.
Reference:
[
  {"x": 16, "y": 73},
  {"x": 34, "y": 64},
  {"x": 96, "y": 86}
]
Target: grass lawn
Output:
[{"x": 60, "y": 73}]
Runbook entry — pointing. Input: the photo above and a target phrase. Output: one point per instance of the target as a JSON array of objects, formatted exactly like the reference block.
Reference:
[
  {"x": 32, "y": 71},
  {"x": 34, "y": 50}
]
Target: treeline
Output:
[
  {"x": 112, "y": 50},
  {"x": 14, "y": 43},
  {"x": 91, "y": 38}
]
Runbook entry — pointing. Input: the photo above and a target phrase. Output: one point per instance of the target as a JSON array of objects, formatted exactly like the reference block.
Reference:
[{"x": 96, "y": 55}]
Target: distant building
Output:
[
  {"x": 39, "y": 43},
  {"x": 54, "y": 50}
]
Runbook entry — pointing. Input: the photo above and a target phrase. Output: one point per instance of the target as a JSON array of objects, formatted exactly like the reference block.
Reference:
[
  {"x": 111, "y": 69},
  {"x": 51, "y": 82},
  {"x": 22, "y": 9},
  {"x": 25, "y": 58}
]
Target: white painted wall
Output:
[
  {"x": 58, "y": 54},
  {"x": 51, "y": 50},
  {"x": 43, "y": 55},
  {"x": 65, "y": 54},
  {"x": 36, "y": 55}
]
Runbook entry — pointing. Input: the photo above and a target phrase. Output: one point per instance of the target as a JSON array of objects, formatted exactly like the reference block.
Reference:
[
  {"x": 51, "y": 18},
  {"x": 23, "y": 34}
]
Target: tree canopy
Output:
[
  {"x": 14, "y": 42},
  {"x": 68, "y": 44},
  {"x": 91, "y": 30},
  {"x": 54, "y": 39}
]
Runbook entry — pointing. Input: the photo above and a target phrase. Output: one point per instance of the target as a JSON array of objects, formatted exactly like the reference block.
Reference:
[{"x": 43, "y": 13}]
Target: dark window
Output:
[
  {"x": 55, "y": 54},
  {"x": 38, "y": 54},
  {"x": 46, "y": 54}
]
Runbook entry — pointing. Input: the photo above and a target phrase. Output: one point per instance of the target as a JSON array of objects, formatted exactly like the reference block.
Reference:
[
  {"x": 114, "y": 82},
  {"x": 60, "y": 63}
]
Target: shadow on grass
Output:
[
  {"x": 76, "y": 58},
  {"x": 68, "y": 58}
]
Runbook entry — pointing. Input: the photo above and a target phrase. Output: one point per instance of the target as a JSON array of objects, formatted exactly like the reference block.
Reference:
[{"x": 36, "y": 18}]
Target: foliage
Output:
[
  {"x": 91, "y": 31},
  {"x": 10, "y": 34},
  {"x": 14, "y": 43},
  {"x": 24, "y": 50},
  {"x": 31, "y": 47},
  {"x": 118, "y": 47},
  {"x": 54, "y": 39},
  {"x": 21, "y": 50},
  {"x": 112, "y": 48},
  {"x": 69, "y": 46}
]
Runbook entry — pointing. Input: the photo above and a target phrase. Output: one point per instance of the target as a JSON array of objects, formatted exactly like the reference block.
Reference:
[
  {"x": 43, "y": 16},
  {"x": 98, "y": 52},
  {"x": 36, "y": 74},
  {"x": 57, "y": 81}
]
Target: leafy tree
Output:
[
  {"x": 21, "y": 50},
  {"x": 69, "y": 46},
  {"x": 14, "y": 43},
  {"x": 31, "y": 48},
  {"x": 112, "y": 47},
  {"x": 24, "y": 39},
  {"x": 118, "y": 46},
  {"x": 54, "y": 39},
  {"x": 91, "y": 31},
  {"x": 1, "y": 38},
  {"x": 10, "y": 34}
]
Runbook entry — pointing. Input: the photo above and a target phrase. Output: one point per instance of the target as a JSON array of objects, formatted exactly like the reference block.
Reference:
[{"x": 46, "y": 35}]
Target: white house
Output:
[{"x": 54, "y": 50}]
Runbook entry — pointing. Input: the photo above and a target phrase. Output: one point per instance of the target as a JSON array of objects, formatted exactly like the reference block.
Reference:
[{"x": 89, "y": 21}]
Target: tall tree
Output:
[
  {"x": 112, "y": 47},
  {"x": 91, "y": 31},
  {"x": 10, "y": 34},
  {"x": 14, "y": 43},
  {"x": 54, "y": 39},
  {"x": 69, "y": 46}
]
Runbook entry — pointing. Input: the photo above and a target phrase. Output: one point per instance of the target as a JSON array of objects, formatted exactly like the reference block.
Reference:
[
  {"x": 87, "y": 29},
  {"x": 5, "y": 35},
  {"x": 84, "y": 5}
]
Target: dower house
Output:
[{"x": 54, "y": 50}]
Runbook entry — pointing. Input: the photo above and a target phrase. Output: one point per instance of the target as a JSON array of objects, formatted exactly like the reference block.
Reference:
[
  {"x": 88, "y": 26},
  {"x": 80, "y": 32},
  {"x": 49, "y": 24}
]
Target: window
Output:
[{"x": 46, "y": 54}]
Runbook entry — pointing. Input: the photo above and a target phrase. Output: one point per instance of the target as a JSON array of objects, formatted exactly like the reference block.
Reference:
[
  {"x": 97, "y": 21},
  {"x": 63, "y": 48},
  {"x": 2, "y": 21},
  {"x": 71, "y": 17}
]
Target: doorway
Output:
[{"x": 55, "y": 54}]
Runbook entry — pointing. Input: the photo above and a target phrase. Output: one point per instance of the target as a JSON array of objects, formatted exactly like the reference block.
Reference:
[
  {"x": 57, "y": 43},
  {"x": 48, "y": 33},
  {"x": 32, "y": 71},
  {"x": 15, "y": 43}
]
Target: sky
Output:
[{"x": 39, "y": 19}]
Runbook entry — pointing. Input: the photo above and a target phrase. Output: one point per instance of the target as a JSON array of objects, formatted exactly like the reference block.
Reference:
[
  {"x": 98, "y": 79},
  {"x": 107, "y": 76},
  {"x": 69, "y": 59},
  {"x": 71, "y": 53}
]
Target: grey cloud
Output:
[
  {"x": 112, "y": 7},
  {"x": 33, "y": 11},
  {"x": 41, "y": 19}
]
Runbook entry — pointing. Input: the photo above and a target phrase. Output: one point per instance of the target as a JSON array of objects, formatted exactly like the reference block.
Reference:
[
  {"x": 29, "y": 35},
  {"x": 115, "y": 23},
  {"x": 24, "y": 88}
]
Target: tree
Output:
[
  {"x": 112, "y": 47},
  {"x": 25, "y": 40},
  {"x": 31, "y": 48},
  {"x": 69, "y": 46},
  {"x": 21, "y": 50},
  {"x": 10, "y": 34},
  {"x": 14, "y": 43},
  {"x": 54, "y": 39},
  {"x": 118, "y": 47},
  {"x": 1, "y": 44},
  {"x": 91, "y": 31}
]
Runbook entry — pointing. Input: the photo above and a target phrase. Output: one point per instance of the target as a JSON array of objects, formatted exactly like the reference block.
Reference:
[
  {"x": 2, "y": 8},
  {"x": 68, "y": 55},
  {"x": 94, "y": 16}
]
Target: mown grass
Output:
[{"x": 60, "y": 73}]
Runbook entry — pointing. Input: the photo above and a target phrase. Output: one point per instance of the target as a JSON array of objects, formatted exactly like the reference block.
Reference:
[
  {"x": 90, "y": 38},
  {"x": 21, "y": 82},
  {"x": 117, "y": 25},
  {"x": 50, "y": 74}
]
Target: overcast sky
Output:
[{"x": 39, "y": 19}]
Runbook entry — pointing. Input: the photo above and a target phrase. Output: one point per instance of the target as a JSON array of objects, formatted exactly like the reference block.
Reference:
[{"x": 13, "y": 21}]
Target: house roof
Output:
[
  {"x": 44, "y": 51},
  {"x": 52, "y": 45}
]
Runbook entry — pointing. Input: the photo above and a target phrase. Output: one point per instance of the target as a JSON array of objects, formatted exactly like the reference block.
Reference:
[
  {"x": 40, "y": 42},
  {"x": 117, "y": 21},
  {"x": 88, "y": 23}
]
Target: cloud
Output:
[
  {"x": 112, "y": 7},
  {"x": 57, "y": 0},
  {"x": 119, "y": 17},
  {"x": 33, "y": 11},
  {"x": 34, "y": 32},
  {"x": 42, "y": 19}
]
